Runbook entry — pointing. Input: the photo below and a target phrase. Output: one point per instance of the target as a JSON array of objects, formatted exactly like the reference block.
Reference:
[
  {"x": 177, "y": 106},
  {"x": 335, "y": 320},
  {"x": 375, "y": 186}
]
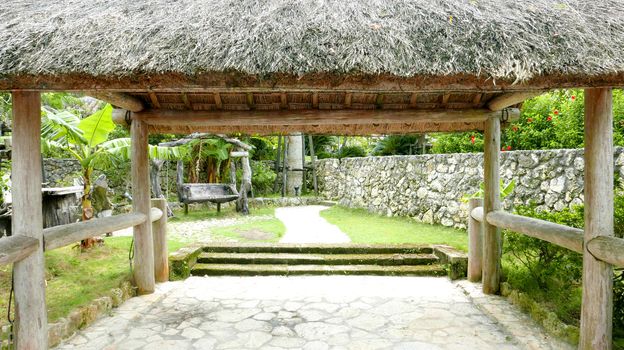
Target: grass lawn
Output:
[
  {"x": 74, "y": 278},
  {"x": 364, "y": 227},
  {"x": 266, "y": 230}
]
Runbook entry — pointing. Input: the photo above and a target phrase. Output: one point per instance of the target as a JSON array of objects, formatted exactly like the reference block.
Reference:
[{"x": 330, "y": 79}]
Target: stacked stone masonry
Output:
[{"x": 429, "y": 188}]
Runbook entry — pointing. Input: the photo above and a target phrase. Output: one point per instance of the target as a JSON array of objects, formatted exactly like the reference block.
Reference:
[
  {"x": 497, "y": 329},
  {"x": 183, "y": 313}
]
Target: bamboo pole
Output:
[
  {"x": 597, "y": 307},
  {"x": 28, "y": 274},
  {"x": 159, "y": 231},
  {"x": 143, "y": 240},
  {"x": 475, "y": 242},
  {"x": 491, "y": 202}
]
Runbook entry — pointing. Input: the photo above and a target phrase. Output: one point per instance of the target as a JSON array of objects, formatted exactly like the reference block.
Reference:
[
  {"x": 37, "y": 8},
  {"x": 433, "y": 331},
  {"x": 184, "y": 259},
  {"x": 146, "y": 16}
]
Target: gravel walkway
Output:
[
  {"x": 305, "y": 225},
  {"x": 322, "y": 312}
]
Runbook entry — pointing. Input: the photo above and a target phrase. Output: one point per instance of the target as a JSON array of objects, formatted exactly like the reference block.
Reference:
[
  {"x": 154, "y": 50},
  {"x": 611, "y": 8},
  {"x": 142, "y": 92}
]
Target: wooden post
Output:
[
  {"x": 143, "y": 241},
  {"x": 277, "y": 162},
  {"x": 491, "y": 202},
  {"x": 597, "y": 307},
  {"x": 161, "y": 254},
  {"x": 475, "y": 242},
  {"x": 28, "y": 274}
]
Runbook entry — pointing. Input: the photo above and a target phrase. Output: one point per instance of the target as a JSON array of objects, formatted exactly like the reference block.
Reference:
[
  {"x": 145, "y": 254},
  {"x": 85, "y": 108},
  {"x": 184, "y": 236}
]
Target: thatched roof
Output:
[{"x": 574, "y": 41}]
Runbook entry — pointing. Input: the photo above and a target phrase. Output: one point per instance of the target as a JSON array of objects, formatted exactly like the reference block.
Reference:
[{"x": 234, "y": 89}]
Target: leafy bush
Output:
[
  {"x": 396, "y": 145},
  {"x": 552, "y": 274},
  {"x": 351, "y": 152},
  {"x": 262, "y": 149},
  {"x": 262, "y": 177},
  {"x": 461, "y": 142},
  {"x": 552, "y": 120}
]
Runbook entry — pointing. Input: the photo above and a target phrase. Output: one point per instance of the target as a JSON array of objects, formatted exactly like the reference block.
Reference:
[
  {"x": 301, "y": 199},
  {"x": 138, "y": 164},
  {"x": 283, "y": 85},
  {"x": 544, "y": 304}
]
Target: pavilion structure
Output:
[{"x": 320, "y": 67}]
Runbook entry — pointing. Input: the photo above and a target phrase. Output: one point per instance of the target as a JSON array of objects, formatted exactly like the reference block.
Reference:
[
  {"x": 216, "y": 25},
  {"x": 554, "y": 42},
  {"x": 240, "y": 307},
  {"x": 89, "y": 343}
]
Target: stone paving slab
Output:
[{"x": 311, "y": 312}]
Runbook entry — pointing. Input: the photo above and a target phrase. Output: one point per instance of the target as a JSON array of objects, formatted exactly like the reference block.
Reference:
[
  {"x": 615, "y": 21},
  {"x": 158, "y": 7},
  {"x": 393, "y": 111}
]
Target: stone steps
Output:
[
  {"x": 263, "y": 259},
  {"x": 347, "y": 248},
  {"x": 292, "y": 270},
  {"x": 317, "y": 259}
]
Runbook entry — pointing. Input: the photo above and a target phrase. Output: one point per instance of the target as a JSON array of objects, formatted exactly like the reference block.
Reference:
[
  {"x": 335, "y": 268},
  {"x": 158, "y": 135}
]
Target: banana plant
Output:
[
  {"x": 505, "y": 190},
  {"x": 87, "y": 141}
]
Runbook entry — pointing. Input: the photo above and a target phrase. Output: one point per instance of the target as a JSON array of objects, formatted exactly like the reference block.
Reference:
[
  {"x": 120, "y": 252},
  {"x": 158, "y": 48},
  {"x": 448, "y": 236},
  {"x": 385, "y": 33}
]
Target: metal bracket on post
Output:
[
  {"x": 128, "y": 118},
  {"x": 504, "y": 115}
]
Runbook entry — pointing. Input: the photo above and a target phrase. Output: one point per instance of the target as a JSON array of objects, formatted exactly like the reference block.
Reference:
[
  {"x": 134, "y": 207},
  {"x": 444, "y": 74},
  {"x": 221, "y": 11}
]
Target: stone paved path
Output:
[
  {"x": 322, "y": 312},
  {"x": 305, "y": 225}
]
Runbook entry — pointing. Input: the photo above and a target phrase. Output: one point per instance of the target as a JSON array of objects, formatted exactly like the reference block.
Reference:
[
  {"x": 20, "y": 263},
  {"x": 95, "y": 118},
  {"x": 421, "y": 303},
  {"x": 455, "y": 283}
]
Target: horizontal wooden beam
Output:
[
  {"x": 608, "y": 249},
  {"x": 309, "y": 117},
  {"x": 60, "y": 236},
  {"x": 561, "y": 235},
  {"x": 477, "y": 214},
  {"x": 155, "y": 214},
  {"x": 318, "y": 121},
  {"x": 16, "y": 248},
  {"x": 119, "y": 99},
  {"x": 511, "y": 99},
  {"x": 235, "y": 81},
  {"x": 239, "y": 154}
]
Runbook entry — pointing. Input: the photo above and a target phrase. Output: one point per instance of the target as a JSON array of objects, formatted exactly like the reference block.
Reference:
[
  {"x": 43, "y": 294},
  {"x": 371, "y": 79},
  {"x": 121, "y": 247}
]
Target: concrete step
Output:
[
  {"x": 317, "y": 259},
  {"x": 348, "y": 248},
  {"x": 290, "y": 270}
]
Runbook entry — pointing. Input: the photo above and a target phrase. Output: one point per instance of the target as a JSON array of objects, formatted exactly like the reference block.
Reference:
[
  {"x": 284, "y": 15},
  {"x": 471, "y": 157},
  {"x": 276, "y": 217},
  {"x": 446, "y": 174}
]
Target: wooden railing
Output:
[
  {"x": 605, "y": 248},
  {"x": 16, "y": 248}
]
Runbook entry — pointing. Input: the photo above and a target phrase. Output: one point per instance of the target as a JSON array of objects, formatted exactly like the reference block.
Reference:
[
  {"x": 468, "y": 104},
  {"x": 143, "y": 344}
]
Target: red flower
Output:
[
  {"x": 549, "y": 118},
  {"x": 529, "y": 120},
  {"x": 572, "y": 97},
  {"x": 556, "y": 112},
  {"x": 514, "y": 128},
  {"x": 503, "y": 148},
  {"x": 509, "y": 148},
  {"x": 472, "y": 139}
]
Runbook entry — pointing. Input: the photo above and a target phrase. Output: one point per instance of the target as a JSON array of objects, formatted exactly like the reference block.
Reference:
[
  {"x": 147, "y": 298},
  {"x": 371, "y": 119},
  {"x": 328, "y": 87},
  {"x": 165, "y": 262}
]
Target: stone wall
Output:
[
  {"x": 61, "y": 172},
  {"x": 429, "y": 187}
]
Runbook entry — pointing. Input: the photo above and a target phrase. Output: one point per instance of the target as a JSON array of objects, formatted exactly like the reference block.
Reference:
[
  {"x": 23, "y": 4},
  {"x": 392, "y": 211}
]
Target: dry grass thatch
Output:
[{"x": 503, "y": 39}]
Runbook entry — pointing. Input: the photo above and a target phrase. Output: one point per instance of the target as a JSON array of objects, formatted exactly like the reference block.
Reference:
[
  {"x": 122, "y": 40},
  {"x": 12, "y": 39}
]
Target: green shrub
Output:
[
  {"x": 262, "y": 178},
  {"x": 351, "y": 152}
]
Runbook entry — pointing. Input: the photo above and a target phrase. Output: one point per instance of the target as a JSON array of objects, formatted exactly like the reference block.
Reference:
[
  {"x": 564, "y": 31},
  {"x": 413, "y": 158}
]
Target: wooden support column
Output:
[
  {"x": 475, "y": 242},
  {"x": 28, "y": 274},
  {"x": 491, "y": 202},
  {"x": 597, "y": 308},
  {"x": 143, "y": 242},
  {"x": 159, "y": 231}
]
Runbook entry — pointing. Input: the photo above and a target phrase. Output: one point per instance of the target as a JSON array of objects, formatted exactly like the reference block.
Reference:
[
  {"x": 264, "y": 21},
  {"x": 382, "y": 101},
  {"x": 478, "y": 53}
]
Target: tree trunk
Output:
[
  {"x": 155, "y": 169},
  {"x": 87, "y": 207},
  {"x": 295, "y": 165}
]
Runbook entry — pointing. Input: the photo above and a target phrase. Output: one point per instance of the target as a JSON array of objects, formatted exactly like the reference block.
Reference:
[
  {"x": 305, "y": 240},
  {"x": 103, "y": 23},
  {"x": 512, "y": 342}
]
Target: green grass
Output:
[
  {"x": 274, "y": 229},
  {"x": 364, "y": 227},
  {"x": 75, "y": 278},
  {"x": 211, "y": 213}
]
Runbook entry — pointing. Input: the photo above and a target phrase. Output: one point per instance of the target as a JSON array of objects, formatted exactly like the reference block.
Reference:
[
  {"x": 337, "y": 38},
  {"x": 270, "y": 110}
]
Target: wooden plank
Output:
[
  {"x": 509, "y": 99},
  {"x": 414, "y": 100},
  {"x": 239, "y": 154},
  {"x": 119, "y": 99},
  {"x": 154, "y": 99},
  {"x": 16, "y": 248},
  {"x": 159, "y": 231},
  {"x": 445, "y": 99},
  {"x": 187, "y": 102},
  {"x": 597, "y": 307},
  {"x": 561, "y": 235},
  {"x": 348, "y": 98},
  {"x": 475, "y": 242},
  {"x": 608, "y": 249},
  {"x": 217, "y": 98},
  {"x": 28, "y": 274},
  {"x": 283, "y": 100},
  {"x": 310, "y": 117},
  {"x": 250, "y": 100},
  {"x": 143, "y": 241},
  {"x": 491, "y": 202},
  {"x": 64, "y": 235}
]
